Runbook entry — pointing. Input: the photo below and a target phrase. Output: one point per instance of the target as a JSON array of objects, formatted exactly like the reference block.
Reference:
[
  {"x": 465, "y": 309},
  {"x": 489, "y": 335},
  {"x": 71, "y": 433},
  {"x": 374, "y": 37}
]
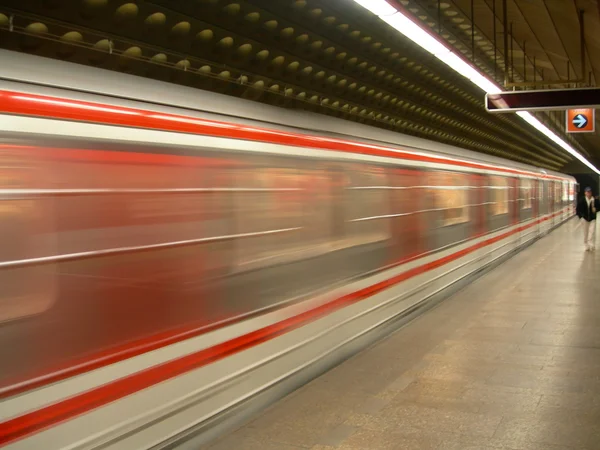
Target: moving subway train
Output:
[{"x": 171, "y": 260}]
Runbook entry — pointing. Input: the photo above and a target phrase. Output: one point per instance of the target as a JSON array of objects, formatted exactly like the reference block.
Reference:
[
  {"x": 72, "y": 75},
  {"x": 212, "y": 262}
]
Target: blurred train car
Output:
[{"x": 167, "y": 268}]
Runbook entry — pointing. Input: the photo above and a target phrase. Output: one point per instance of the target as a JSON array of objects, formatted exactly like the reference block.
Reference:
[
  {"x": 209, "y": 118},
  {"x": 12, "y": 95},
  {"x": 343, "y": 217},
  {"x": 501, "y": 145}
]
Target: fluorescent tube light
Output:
[
  {"x": 377, "y": 7},
  {"x": 412, "y": 31}
]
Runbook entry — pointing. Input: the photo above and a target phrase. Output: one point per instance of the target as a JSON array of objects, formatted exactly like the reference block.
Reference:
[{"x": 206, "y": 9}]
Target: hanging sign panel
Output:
[{"x": 506, "y": 102}]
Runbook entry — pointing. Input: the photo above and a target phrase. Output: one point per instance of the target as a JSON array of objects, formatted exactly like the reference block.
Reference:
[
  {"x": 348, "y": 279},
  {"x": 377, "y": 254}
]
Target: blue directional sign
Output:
[{"x": 581, "y": 120}]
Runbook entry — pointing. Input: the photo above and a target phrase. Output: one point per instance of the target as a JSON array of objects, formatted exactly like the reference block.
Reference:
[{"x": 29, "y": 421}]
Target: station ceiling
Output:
[{"x": 333, "y": 57}]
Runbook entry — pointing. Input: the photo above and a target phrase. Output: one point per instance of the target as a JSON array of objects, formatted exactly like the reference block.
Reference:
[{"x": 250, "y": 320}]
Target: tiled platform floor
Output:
[{"x": 511, "y": 362}]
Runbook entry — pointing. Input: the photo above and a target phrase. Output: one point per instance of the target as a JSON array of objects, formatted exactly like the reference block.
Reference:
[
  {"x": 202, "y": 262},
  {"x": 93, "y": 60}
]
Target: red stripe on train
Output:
[
  {"x": 66, "y": 109},
  {"x": 48, "y": 416},
  {"x": 118, "y": 156}
]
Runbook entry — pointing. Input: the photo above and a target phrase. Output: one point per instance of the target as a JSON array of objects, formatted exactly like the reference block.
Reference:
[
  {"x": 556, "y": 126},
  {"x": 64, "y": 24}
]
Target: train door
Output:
[
  {"x": 535, "y": 198},
  {"x": 478, "y": 199},
  {"x": 26, "y": 232},
  {"x": 278, "y": 231},
  {"x": 369, "y": 225},
  {"x": 526, "y": 193},
  {"x": 567, "y": 199},
  {"x": 323, "y": 235},
  {"x": 535, "y": 203},
  {"x": 542, "y": 200},
  {"x": 28, "y": 290},
  {"x": 515, "y": 200},
  {"x": 329, "y": 201},
  {"x": 407, "y": 223},
  {"x": 499, "y": 202},
  {"x": 564, "y": 195},
  {"x": 450, "y": 215},
  {"x": 552, "y": 202},
  {"x": 547, "y": 205},
  {"x": 526, "y": 196},
  {"x": 561, "y": 200},
  {"x": 553, "y": 197},
  {"x": 337, "y": 192}
]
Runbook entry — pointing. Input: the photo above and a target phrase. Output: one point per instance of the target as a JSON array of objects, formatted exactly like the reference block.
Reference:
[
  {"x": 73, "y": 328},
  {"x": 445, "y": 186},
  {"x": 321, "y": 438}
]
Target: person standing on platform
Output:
[{"x": 586, "y": 211}]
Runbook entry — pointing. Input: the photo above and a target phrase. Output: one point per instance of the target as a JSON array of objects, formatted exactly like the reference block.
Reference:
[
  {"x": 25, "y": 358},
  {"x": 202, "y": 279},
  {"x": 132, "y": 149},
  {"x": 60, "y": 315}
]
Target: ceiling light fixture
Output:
[{"x": 405, "y": 25}]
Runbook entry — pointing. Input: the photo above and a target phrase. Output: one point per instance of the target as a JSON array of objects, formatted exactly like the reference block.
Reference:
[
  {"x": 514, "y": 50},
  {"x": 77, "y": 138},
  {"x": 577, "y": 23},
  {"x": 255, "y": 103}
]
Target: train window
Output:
[
  {"x": 451, "y": 198},
  {"x": 526, "y": 193},
  {"x": 499, "y": 195}
]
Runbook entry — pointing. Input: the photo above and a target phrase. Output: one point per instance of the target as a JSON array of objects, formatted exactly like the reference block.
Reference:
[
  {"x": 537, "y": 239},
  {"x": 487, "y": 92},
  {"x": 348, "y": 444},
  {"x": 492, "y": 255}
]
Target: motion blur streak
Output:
[{"x": 161, "y": 257}]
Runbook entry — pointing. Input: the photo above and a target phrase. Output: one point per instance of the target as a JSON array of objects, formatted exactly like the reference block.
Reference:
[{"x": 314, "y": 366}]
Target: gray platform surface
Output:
[{"x": 511, "y": 362}]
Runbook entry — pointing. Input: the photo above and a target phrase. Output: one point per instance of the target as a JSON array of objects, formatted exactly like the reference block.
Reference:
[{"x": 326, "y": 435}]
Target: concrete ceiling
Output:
[{"x": 326, "y": 56}]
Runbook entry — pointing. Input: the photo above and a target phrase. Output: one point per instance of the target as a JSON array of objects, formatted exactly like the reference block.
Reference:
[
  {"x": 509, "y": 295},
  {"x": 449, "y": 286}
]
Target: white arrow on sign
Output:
[{"x": 580, "y": 121}]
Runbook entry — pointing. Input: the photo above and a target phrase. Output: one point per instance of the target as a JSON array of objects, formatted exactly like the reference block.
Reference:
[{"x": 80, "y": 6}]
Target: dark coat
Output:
[{"x": 585, "y": 212}]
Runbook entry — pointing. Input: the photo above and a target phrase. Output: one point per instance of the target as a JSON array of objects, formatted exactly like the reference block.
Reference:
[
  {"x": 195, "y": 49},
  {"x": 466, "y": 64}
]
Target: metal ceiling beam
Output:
[
  {"x": 581, "y": 79},
  {"x": 505, "y": 36}
]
